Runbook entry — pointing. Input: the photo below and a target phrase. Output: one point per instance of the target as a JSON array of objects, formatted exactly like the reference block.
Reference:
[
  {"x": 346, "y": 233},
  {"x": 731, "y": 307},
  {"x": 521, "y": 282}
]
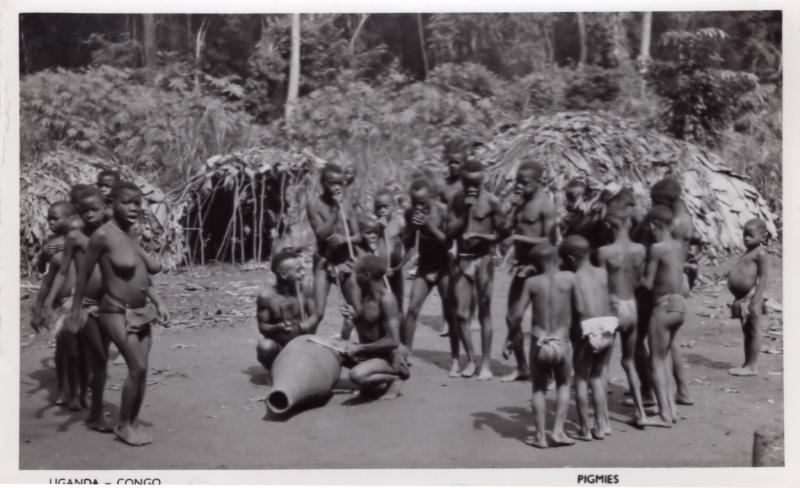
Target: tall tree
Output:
[
  {"x": 294, "y": 70},
  {"x": 149, "y": 38},
  {"x": 582, "y": 38},
  {"x": 644, "y": 47}
]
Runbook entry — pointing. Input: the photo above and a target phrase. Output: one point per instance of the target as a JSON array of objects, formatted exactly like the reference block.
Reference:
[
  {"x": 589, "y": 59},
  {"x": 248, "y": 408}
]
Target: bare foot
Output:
[
  {"x": 469, "y": 371},
  {"x": 628, "y": 402},
  {"x": 561, "y": 439},
  {"x": 598, "y": 433},
  {"x": 684, "y": 400},
  {"x": 607, "y": 430},
  {"x": 536, "y": 441},
  {"x": 61, "y": 399},
  {"x": 444, "y": 332},
  {"x": 392, "y": 392},
  {"x": 129, "y": 436},
  {"x": 637, "y": 422},
  {"x": 485, "y": 374},
  {"x": 742, "y": 371},
  {"x": 583, "y": 436},
  {"x": 455, "y": 370},
  {"x": 657, "y": 422},
  {"x": 515, "y": 375},
  {"x": 143, "y": 438},
  {"x": 74, "y": 404},
  {"x": 99, "y": 424}
]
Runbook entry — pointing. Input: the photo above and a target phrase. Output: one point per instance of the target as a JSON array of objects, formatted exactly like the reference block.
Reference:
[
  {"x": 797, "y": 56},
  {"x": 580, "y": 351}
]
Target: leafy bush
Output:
[
  {"x": 700, "y": 96},
  {"x": 591, "y": 89},
  {"x": 106, "y": 111}
]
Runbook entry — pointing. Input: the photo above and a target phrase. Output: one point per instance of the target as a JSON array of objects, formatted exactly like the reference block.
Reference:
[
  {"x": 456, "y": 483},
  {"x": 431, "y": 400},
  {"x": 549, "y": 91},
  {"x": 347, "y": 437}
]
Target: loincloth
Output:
[
  {"x": 626, "y": 311},
  {"x": 552, "y": 351},
  {"x": 673, "y": 302},
  {"x": 467, "y": 264},
  {"x": 432, "y": 271},
  {"x": 336, "y": 272},
  {"x": 599, "y": 332},
  {"x": 89, "y": 308},
  {"x": 60, "y": 313},
  {"x": 137, "y": 320},
  {"x": 740, "y": 309}
]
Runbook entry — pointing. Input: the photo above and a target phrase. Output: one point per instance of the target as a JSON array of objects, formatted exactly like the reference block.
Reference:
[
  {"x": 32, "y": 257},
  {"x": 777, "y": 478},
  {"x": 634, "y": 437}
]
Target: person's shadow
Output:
[{"x": 258, "y": 375}]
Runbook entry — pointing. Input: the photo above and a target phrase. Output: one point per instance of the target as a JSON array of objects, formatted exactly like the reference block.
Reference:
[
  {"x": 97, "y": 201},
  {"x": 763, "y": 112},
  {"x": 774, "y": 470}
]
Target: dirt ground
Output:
[{"x": 205, "y": 409}]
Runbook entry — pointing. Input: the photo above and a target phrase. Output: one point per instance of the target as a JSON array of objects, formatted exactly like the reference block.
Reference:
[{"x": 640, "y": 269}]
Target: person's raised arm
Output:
[
  {"x": 263, "y": 316},
  {"x": 96, "y": 245},
  {"x": 322, "y": 227},
  {"x": 309, "y": 325},
  {"x": 456, "y": 222}
]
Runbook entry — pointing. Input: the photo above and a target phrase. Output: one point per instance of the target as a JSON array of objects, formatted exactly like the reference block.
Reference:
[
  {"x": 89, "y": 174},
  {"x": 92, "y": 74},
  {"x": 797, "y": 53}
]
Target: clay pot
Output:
[{"x": 303, "y": 372}]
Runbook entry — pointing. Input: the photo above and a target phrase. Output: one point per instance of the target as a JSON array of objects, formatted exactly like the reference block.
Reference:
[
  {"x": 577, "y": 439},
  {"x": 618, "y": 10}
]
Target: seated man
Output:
[
  {"x": 379, "y": 361},
  {"x": 286, "y": 310}
]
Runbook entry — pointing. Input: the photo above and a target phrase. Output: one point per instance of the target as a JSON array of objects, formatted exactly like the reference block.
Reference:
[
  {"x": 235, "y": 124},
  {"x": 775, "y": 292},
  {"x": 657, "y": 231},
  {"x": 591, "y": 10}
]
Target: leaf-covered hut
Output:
[
  {"x": 49, "y": 178},
  {"x": 602, "y": 148},
  {"x": 236, "y": 204}
]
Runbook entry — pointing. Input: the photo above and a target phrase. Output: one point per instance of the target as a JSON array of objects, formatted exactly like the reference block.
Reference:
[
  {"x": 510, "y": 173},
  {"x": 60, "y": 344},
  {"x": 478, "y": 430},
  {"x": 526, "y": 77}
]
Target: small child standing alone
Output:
[{"x": 747, "y": 281}]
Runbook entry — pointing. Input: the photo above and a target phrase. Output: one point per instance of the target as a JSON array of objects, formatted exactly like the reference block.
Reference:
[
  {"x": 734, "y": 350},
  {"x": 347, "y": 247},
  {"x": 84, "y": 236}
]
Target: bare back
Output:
[
  {"x": 624, "y": 263},
  {"x": 592, "y": 284},
  {"x": 666, "y": 266},
  {"x": 553, "y": 299}
]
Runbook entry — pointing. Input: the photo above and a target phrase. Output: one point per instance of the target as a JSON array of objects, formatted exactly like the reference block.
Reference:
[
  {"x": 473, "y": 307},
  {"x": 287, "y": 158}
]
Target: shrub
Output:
[{"x": 700, "y": 96}]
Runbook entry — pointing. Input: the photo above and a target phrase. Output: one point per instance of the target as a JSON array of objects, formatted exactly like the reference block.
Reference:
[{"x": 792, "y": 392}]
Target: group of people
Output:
[
  {"x": 603, "y": 270},
  {"x": 97, "y": 290},
  {"x": 606, "y": 268}
]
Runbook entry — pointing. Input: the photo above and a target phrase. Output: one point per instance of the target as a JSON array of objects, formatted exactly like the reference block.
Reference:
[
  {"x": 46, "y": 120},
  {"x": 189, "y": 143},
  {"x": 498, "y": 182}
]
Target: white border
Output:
[{"x": 9, "y": 257}]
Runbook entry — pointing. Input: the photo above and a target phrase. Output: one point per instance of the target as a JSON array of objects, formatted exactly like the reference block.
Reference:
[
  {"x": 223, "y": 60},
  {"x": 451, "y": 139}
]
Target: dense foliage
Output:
[{"x": 382, "y": 91}]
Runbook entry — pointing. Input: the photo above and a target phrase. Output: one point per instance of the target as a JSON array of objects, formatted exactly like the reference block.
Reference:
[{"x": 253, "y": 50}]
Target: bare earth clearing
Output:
[{"x": 204, "y": 404}]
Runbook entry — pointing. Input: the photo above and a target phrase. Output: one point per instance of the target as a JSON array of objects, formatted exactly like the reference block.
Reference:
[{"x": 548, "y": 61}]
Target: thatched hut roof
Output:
[
  {"x": 49, "y": 179},
  {"x": 602, "y": 148},
  {"x": 233, "y": 205}
]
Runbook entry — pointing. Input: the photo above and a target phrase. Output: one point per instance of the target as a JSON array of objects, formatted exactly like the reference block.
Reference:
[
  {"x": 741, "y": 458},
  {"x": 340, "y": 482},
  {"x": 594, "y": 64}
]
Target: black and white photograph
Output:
[{"x": 457, "y": 240}]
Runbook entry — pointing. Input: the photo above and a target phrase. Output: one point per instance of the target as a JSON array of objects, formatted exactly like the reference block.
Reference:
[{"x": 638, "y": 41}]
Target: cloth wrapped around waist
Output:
[
  {"x": 626, "y": 312},
  {"x": 740, "y": 309},
  {"x": 468, "y": 263},
  {"x": 60, "y": 312},
  {"x": 599, "y": 332},
  {"x": 551, "y": 351},
  {"x": 137, "y": 319},
  {"x": 673, "y": 302}
]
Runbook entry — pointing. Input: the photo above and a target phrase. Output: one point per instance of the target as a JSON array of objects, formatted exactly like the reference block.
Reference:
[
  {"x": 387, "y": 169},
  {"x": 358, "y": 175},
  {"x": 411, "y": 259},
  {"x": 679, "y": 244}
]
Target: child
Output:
[
  {"x": 379, "y": 361},
  {"x": 556, "y": 307},
  {"x": 125, "y": 313},
  {"x": 593, "y": 340},
  {"x": 70, "y": 394},
  {"x": 106, "y": 179},
  {"x": 747, "y": 281},
  {"x": 624, "y": 261},
  {"x": 475, "y": 218},
  {"x": 284, "y": 311},
  {"x": 664, "y": 278},
  {"x": 336, "y": 243},
  {"x": 384, "y": 238},
  {"x": 425, "y": 233},
  {"x": 533, "y": 219},
  {"x": 93, "y": 341}
]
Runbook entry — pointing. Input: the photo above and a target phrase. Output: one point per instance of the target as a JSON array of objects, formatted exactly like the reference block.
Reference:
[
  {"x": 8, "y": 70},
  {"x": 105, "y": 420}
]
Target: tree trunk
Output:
[
  {"x": 582, "y": 37},
  {"x": 149, "y": 38},
  {"x": 361, "y": 22},
  {"x": 621, "y": 52},
  {"x": 644, "y": 47},
  {"x": 294, "y": 70},
  {"x": 422, "y": 47},
  {"x": 199, "y": 46}
]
